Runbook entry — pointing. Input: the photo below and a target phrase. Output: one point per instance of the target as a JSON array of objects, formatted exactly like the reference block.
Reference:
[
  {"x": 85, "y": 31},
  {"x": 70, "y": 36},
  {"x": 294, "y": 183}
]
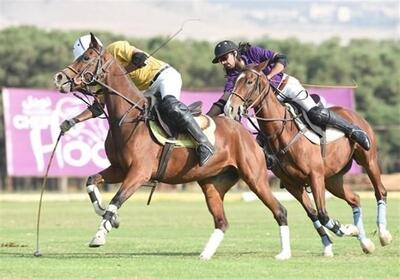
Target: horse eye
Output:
[
  {"x": 249, "y": 82},
  {"x": 86, "y": 58}
]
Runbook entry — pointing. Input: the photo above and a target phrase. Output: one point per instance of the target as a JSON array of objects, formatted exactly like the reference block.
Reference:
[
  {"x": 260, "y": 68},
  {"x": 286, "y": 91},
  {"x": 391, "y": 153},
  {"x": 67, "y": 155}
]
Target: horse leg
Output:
[
  {"x": 301, "y": 195},
  {"x": 335, "y": 185},
  {"x": 374, "y": 174},
  {"x": 259, "y": 185},
  {"x": 318, "y": 190},
  {"x": 111, "y": 174},
  {"x": 214, "y": 190},
  {"x": 130, "y": 184}
]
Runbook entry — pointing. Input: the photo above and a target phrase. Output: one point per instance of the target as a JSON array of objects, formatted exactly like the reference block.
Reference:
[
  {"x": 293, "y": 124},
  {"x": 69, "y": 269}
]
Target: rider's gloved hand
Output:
[
  {"x": 67, "y": 124},
  {"x": 139, "y": 60}
]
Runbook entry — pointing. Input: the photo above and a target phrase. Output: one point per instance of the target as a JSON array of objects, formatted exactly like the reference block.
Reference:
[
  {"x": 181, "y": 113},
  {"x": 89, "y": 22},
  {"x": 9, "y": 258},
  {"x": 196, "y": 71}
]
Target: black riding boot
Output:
[
  {"x": 204, "y": 149},
  {"x": 323, "y": 116},
  {"x": 179, "y": 116}
]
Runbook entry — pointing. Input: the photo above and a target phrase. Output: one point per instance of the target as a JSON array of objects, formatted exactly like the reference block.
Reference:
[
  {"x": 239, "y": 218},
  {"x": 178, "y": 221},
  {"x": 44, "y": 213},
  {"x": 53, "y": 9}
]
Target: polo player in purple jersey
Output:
[{"x": 234, "y": 58}]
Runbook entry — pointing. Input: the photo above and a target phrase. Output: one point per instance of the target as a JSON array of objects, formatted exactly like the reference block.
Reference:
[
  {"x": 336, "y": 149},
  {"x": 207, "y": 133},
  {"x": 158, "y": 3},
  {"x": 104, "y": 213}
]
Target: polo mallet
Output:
[
  {"x": 37, "y": 252},
  {"x": 173, "y": 35}
]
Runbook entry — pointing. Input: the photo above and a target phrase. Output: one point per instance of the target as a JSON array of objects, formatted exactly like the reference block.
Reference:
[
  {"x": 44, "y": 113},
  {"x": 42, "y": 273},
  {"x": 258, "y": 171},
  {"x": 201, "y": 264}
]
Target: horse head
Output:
[
  {"x": 84, "y": 72},
  {"x": 250, "y": 87}
]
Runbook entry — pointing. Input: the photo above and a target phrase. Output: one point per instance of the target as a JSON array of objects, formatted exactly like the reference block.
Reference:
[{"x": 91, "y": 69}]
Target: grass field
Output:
[{"x": 165, "y": 239}]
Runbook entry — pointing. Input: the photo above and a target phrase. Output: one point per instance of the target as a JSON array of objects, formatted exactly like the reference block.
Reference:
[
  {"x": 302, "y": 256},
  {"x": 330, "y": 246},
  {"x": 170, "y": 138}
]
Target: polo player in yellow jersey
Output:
[{"x": 151, "y": 76}]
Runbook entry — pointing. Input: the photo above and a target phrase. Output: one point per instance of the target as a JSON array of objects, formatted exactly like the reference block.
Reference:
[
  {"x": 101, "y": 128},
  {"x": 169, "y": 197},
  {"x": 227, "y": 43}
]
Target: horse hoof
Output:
[
  {"x": 115, "y": 221},
  {"x": 328, "y": 252},
  {"x": 283, "y": 256},
  {"x": 350, "y": 230},
  {"x": 98, "y": 240},
  {"x": 385, "y": 237},
  {"x": 367, "y": 246},
  {"x": 205, "y": 256}
]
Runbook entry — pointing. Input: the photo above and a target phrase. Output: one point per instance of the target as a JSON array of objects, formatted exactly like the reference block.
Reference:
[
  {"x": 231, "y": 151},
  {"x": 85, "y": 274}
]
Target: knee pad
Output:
[
  {"x": 174, "y": 111},
  {"x": 318, "y": 115}
]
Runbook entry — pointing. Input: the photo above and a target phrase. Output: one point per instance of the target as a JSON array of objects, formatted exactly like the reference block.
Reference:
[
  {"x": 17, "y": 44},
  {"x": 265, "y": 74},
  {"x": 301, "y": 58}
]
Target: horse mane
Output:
[
  {"x": 124, "y": 73},
  {"x": 244, "y": 47}
]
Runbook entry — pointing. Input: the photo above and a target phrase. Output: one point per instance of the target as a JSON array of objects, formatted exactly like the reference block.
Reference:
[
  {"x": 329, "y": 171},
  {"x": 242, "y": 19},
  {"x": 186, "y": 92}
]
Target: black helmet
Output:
[{"x": 223, "y": 48}]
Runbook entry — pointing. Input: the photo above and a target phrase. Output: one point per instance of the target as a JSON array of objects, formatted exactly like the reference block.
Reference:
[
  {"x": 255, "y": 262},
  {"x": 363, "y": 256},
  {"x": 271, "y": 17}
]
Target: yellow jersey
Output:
[{"x": 123, "y": 51}]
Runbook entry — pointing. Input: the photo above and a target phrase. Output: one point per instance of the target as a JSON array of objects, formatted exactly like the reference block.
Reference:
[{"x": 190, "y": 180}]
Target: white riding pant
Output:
[
  {"x": 293, "y": 91},
  {"x": 169, "y": 82}
]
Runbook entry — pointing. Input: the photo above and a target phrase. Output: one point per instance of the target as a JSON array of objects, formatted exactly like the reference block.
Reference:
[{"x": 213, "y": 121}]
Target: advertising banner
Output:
[{"x": 32, "y": 119}]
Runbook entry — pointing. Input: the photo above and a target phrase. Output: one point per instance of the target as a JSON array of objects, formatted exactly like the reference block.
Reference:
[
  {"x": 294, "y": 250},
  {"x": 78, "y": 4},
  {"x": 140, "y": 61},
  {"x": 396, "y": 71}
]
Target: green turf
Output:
[{"x": 165, "y": 239}]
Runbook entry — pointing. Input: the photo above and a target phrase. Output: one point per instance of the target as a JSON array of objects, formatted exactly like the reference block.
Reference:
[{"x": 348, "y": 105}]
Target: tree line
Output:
[{"x": 29, "y": 57}]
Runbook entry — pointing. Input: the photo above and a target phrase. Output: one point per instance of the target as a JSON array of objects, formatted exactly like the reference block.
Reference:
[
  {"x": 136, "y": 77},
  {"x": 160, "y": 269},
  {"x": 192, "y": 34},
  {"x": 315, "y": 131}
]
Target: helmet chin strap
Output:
[{"x": 239, "y": 63}]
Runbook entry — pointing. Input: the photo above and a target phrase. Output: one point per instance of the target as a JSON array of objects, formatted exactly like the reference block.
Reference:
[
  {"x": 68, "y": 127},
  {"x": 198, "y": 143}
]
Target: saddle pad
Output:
[
  {"x": 184, "y": 140},
  {"x": 332, "y": 134}
]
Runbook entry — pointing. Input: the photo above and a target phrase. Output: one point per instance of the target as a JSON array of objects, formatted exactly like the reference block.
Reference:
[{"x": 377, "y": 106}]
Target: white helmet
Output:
[{"x": 82, "y": 44}]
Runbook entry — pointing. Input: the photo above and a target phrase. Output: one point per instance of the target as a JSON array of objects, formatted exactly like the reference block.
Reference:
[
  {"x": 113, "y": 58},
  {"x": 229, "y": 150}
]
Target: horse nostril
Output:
[{"x": 59, "y": 77}]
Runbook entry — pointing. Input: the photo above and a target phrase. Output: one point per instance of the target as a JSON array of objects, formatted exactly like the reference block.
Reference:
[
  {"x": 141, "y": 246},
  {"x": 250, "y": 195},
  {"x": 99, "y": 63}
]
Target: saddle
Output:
[
  {"x": 316, "y": 134},
  {"x": 194, "y": 108},
  {"x": 164, "y": 133}
]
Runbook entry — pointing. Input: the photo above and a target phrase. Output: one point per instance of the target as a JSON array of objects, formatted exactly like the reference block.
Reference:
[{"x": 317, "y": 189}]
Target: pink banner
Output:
[
  {"x": 32, "y": 119},
  {"x": 32, "y": 125}
]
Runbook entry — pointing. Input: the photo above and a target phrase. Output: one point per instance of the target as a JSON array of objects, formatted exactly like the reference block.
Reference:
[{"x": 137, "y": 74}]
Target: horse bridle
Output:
[
  {"x": 263, "y": 93},
  {"x": 246, "y": 99},
  {"x": 91, "y": 78}
]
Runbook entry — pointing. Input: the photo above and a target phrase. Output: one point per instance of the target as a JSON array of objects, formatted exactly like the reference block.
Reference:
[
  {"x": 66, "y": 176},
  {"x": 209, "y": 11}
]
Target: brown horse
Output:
[
  {"x": 134, "y": 154},
  {"x": 299, "y": 162}
]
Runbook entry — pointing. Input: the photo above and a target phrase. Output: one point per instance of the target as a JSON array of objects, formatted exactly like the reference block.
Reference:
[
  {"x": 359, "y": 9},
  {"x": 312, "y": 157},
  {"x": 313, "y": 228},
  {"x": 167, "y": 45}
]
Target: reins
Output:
[
  {"x": 263, "y": 94},
  {"x": 90, "y": 78}
]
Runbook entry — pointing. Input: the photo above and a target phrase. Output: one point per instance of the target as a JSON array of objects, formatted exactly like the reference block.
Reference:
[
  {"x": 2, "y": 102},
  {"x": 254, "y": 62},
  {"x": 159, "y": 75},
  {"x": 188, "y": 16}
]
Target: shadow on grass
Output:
[
  {"x": 89, "y": 255},
  {"x": 96, "y": 255}
]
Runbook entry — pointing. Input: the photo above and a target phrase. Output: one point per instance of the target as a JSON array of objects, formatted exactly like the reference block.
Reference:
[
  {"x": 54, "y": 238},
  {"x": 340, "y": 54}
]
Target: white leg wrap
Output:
[
  {"x": 385, "y": 236},
  {"x": 105, "y": 227},
  {"x": 96, "y": 199},
  {"x": 213, "y": 242},
  {"x": 286, "y": 252},
  {"x": 99, "y": 238},
  {"x": 381, "y": 219},
  {"x": 344, "y": 230},
  {"x": 357, "y": 217}
]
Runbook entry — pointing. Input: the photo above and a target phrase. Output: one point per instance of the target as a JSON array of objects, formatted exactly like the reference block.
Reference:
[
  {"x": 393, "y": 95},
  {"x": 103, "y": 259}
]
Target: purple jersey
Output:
[{"x": 255, "y": 55}]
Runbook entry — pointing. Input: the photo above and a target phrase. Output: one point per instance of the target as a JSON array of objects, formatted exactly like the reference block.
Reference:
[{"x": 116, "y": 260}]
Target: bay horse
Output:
[
  {"x": 299, "y": 162},
  {"x": 134, "y": 153}
]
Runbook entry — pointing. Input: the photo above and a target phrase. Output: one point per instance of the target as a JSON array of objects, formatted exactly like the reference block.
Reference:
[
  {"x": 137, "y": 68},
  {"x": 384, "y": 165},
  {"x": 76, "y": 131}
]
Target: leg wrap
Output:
[
  {"x": 110, "y": 219},
  {"x": 322, "y": 233},
  {"x": 95, "y": 198},
  {"x": 381, "y": 219},
  {"x": 357, "y": 217},
  {"x": 111, "y": 216},
  {"x": 334, "y": 226}
]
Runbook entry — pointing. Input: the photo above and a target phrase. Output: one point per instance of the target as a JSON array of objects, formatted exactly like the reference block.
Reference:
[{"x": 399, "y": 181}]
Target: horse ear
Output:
[
  {"x": 262, "y": 65},
  {"x": 93, "y": 41}
]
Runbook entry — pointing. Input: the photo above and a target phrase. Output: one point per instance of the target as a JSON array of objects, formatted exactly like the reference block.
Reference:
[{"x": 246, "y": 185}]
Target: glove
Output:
[
  {"x": 139, "y": 60},
  {"x": 67, "y": 124}
]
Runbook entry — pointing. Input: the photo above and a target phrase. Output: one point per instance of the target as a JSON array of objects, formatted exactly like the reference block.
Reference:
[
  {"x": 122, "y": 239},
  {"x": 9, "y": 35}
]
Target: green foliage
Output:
[{"x": 29, "y": 57}]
